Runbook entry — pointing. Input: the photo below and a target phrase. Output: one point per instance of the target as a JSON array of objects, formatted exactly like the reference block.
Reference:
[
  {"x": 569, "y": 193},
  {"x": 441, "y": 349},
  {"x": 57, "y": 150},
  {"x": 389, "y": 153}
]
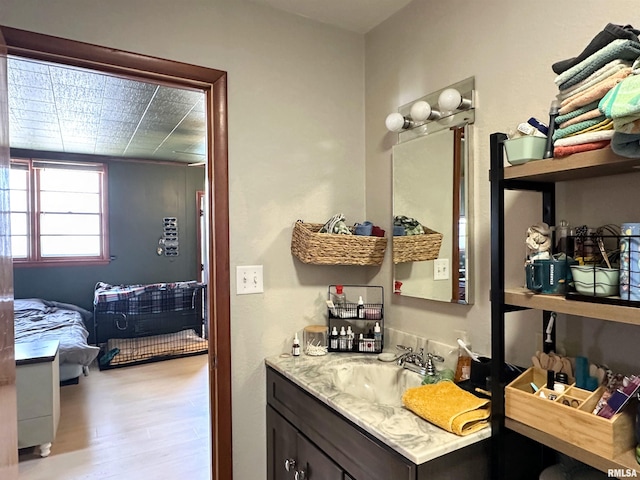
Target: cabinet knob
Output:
[
  {"x": 289, "y": 464},
  {"x": 300, "y": 475}
]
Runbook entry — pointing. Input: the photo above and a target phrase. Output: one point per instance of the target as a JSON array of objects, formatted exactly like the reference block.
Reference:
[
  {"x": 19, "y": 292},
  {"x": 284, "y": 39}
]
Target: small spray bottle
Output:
[{"x": 553, "y": 113}]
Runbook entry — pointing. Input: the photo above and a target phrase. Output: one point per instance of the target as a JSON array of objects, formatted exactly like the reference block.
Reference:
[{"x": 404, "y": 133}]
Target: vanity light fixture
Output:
[
  {"x": 396, "y": 122},
  {"x": 421, "y": 111},
  {"x": 451, "y": 100}
]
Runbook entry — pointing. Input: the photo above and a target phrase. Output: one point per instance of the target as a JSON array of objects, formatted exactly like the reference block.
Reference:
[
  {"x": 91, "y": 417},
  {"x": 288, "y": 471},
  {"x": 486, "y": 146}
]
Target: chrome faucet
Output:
[{"x": 418, "y": 362}]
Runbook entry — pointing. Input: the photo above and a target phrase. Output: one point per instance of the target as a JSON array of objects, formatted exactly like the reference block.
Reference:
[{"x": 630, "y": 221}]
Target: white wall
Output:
[
  {"x": 296, "y": 150},
  {"x": 509, "y": 47}
]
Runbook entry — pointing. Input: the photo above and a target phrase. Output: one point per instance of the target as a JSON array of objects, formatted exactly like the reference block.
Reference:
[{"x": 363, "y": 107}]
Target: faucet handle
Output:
[
  {"x": 406, "y": 349},
  {"x": 435, "y": 357}
]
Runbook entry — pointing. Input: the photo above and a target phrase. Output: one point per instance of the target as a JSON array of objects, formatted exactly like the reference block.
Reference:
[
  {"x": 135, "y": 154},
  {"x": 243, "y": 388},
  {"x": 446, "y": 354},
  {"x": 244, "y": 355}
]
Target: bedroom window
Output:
[{"x": 58, "y": 212}]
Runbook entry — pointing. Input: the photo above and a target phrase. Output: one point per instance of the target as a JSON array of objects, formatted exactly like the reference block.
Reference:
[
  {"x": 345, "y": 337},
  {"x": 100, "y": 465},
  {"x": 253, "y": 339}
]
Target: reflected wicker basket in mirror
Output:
[{"x": 417, "y": 248}]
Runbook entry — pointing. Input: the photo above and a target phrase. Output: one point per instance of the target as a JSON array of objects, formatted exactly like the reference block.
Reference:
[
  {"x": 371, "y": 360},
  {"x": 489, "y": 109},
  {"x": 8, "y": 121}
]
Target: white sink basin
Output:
[{"x": 371, "y": 380}]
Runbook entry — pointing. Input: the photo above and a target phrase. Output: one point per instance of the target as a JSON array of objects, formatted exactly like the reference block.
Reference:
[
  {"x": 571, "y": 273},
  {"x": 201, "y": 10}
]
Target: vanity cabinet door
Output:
[
  {"x": 316, "y": 465},
  {"x": 281, "y": 447}
]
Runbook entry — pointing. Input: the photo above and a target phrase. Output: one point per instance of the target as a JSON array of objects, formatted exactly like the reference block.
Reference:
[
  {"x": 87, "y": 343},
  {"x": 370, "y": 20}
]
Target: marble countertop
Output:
[{"x": 408, "y": 434}]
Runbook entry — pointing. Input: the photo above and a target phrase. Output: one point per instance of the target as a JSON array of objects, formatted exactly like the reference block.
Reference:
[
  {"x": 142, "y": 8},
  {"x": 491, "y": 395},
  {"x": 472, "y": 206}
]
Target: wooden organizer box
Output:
[{"x": 574, "y": 424}]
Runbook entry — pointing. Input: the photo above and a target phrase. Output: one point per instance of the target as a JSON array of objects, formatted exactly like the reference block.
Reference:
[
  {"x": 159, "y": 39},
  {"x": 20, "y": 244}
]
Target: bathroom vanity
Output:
[{"x": 322, "y": 426}]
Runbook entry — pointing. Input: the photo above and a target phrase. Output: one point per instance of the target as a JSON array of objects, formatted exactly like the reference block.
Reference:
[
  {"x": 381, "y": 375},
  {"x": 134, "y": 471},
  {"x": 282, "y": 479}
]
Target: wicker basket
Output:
[
  {"x": 315, "y": 248},
  {"x": 417, "y": 248}
]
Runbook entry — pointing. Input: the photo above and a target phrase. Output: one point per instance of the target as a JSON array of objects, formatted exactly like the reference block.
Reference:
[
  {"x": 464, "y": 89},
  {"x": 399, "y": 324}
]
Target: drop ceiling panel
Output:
[{"x": 66, "y": 109}]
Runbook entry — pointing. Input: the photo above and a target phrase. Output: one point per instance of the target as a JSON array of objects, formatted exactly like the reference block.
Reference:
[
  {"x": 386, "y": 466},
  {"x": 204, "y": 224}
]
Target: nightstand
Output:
[{"x": 38, "y": 392}]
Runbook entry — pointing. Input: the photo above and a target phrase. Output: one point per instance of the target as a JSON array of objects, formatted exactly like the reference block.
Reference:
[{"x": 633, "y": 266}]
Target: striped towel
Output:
[{"x": 623, "y": 99}]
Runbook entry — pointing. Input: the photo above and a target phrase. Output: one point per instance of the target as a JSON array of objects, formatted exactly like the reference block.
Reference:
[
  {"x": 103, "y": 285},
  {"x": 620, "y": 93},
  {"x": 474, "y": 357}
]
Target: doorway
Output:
[{"x": 213, "y": 83}]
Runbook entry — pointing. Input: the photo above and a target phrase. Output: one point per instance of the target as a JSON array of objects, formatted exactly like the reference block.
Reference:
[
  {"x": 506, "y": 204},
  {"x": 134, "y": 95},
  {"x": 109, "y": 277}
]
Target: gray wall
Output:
[{"x": 140, "y": 195}]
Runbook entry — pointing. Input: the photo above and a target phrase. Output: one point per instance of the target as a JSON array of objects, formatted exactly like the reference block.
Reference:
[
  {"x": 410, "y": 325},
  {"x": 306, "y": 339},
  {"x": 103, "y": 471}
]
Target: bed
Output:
[{"x": 37, "y": 319}]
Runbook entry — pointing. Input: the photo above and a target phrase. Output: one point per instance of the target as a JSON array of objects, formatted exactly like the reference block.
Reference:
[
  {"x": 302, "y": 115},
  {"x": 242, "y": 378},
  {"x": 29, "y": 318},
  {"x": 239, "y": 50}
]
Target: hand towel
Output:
[
  {"x": 590, "y": 115},
  {"x": 449, "y": 407},
  {"x": 584, "y": 138},
  {"x": 626, "y": 145},
  {"x": 630, "y": 124},
  {"x": 623, "y": 99},
  {"x": 608, "y": 34},
  {"x": 579, "y": 111},
  {"x": 595, "y": 92},
  {"x": 618, "y": 49},
  {"x": 336, "y": 224},
  {"x": 609, "y": 69},
  {"x": 582, "y": 127},
  {"x": 582, "y": 147}
]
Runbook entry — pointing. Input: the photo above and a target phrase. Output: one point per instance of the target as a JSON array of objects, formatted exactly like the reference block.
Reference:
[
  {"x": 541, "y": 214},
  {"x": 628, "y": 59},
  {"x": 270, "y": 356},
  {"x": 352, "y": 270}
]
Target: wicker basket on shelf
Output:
[
  {"x": 315, "y": 248},
  {"x": 417, "y": 248}
]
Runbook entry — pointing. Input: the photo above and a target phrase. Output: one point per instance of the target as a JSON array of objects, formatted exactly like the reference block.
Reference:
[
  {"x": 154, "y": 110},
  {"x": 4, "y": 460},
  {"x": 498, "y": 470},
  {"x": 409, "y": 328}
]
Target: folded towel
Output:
[
  {"x": 618, "y": 49},
  {"x": 609, "y": 33},
  {"x": 627, "y": 145},
  {"x": 582, "y": 147},
  {"x": 623, "y": 99},
  {"x": 609, "y": 69},
  {"x": 590, "y": 115},
  {"x": 584, "y": 138},
  {"x": 595, "y": 92},
  {"x": 449, "y": 407},
  {"x": 579, "y": 127},
  {"x": 568, "y": 116},
  {"x": 630, "y": 124}
]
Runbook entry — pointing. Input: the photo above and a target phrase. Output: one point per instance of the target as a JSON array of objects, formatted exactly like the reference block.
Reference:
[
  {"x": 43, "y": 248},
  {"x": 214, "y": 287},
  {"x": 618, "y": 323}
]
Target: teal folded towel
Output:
[
  {"x": 623, "y": 100},
  {"x": 618, "y": 49},
  {"x": 560, "y": 119},
  {"x": 578, "y": 127}
]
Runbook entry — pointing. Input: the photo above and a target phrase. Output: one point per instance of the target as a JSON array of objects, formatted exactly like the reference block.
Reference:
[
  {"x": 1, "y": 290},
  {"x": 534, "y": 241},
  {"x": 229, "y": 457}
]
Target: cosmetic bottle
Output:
[
  {"x": 361, "y": 343},
  {"x": 350, "y": 337},
  {"x": 377, "y": 337},
  {"x": 463, "y": 368},
  {"x": 295, "y": 348},
  {"x": 342, "y": 339},
  {"x": 340, "y": 299},
  {"x": 333, "y": 339},
  {"x": 360, "y": 307}
]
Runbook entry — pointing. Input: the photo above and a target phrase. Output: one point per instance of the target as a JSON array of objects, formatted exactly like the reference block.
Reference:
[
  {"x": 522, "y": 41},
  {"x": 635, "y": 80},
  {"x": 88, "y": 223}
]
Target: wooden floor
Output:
[{"x": 138, "y": 422}]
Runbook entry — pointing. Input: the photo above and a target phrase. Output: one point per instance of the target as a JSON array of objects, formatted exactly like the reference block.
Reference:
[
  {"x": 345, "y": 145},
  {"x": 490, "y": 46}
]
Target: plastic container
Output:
[
  {"x": 339, "y": 298},
  {"x": 522, "y": 149}
]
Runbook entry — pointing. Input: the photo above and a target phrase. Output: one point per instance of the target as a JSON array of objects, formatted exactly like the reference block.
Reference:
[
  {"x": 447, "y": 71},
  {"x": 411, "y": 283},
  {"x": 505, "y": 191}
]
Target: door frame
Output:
[{"x": 214, "y": 83}]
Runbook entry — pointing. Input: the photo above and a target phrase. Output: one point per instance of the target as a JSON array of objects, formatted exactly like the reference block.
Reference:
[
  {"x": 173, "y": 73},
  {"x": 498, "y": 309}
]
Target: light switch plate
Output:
[
  {"x": 441, "y": 269},
  {"x": 249, "y": 279}
]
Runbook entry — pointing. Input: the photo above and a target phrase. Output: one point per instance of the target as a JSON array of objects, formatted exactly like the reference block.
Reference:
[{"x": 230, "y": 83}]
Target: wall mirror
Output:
[{"x": 431, "y": 193}]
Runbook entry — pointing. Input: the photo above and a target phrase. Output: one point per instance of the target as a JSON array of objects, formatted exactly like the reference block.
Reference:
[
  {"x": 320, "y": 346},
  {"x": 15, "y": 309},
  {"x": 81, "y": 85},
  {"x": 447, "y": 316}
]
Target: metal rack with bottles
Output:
[{"x": 355, "y": 318}]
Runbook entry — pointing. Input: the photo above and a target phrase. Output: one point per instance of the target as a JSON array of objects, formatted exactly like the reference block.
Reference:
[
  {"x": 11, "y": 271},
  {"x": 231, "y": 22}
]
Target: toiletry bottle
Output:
[
  {"x": 333, "y": 339},
  {"x": 360, "y": 307},
  {"x": 377, "y": 337},
  {"x": 350, "y": 337},
  {"x": 361, "y": 343},
  {"x": 342, "y": 339},
  {"x": 340, "y": 298},
  {"x": 463, "y": 368},
  {"x": 295, "y": 349}
]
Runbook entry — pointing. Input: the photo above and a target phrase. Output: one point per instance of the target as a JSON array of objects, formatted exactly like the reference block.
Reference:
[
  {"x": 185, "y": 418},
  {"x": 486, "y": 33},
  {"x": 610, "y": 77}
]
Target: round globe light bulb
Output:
[
  {"x": 396, "y": 122},
  {"x": 420, "y": 111},
  {"x": 450, "y": 99}
]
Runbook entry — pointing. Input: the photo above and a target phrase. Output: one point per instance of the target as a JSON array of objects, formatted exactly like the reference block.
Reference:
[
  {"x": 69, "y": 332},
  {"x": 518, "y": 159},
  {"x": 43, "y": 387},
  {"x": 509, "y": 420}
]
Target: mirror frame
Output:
[{"x": 458, "y": 122}]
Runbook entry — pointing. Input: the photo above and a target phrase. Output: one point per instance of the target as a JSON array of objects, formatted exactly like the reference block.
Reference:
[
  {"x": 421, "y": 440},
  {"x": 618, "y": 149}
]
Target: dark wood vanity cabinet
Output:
[
  {"x": 293, "y": 456},
  {"x": 326, "y": 446}
]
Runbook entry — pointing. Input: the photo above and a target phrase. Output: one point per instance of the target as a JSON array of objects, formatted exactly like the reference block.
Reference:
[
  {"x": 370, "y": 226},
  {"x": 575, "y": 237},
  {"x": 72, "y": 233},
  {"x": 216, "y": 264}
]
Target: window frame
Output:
[{"x": 34, "y": 256}]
